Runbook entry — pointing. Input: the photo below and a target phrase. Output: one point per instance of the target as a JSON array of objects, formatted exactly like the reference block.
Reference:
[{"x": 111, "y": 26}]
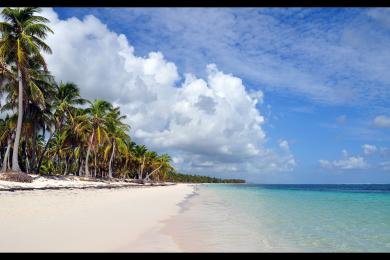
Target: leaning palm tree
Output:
[
  {"x": 159, "y": 165},
  {"x": 22, "y": 38}
]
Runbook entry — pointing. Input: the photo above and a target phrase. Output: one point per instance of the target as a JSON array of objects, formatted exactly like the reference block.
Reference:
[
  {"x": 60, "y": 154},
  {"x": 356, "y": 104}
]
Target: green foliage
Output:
[{"x": 187, "y": 178}]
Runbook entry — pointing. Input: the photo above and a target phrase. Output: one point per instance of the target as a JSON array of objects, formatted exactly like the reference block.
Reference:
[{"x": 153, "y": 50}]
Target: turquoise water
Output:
[{"x": 308, "y": 218}]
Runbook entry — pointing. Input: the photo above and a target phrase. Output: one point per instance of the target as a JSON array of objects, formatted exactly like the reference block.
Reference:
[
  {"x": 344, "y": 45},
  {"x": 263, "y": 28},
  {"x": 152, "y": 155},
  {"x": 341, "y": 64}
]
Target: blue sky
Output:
[{"x": 323, "y": 74}]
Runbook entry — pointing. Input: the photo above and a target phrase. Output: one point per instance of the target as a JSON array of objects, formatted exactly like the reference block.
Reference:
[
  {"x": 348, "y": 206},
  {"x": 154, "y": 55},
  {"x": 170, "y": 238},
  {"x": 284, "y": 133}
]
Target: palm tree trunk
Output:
[
  {"x": 150, "y": 174},
  {"x": 86, "y": 161},
  {"x": 27, "y": 161},
  {"x": 15, "y": 163},
  {"x": 43, "y": 153},
  {"x": 33, "y": 147},
  {"x": 142, "y": 169},
  {"x": 111, "y": 159},
  {"x": 9, "y": 162},
  {"x": 66, "y": 165},
  {"x": 6, "y": 156},
  {"x": 81, "y": 168},
  {"x": 78, "y": 166},
  {"x": 88, "y": 152},
  {"x": 95, "y": 168}
]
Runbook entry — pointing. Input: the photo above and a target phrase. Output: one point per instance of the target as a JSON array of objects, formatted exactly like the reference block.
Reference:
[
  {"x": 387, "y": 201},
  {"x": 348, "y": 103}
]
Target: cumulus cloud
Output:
[
  {"x": 350, "y": 163},
  {"x": 382, "y": 121},
  {"x": 372, "y": 157},
  {"x": 346, "y": 163},
  {"x": 207, "y": 124},
  {"x": 327, "y": 60},
  {"x": 369, "y": 149}
]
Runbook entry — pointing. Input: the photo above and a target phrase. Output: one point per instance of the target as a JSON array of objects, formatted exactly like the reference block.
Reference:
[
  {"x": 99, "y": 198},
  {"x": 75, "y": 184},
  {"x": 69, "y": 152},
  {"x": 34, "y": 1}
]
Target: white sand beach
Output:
[
  {"x": 62, "y": 182},
  {"x": 95, "y": 220}
]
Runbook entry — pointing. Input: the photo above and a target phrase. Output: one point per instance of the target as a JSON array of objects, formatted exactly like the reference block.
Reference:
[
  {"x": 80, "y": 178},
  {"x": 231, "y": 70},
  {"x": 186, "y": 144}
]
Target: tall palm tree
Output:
[
  {"x": 65, "y": 100},
  {"x": 22, "y": 37},
  {"x": 76, "y": 133},
  {"x": 139, "y": 153},
  {"x": 96, "y": 125},
  {"x": 39, "y": 99},
  {"x": 117, "y": 133}
]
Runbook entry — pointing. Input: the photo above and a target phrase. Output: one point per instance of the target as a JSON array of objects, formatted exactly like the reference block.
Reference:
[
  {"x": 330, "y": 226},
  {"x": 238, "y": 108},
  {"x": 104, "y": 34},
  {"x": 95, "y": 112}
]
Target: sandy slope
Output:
[{"x": 124, "y": 219}]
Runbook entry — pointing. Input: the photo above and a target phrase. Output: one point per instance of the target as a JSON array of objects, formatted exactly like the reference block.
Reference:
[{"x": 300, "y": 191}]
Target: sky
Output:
[{"x": 271, "y": 95}]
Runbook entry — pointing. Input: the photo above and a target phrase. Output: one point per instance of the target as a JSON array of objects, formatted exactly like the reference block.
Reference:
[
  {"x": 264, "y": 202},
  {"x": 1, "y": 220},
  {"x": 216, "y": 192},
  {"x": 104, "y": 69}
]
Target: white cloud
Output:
[
  {"x": 325, "y": 164},
  {"x": 382, "y": 121},
  {"x": 369, "y": 149},
  {"x": 327, "y": 60},
  {"x": 349, "y": 163},
  {"x": 357, "y": 162},
  {"x": 204, "y": 123},
  {"x": 284, "y": 145},
  {"x": 385, "y": 165}
]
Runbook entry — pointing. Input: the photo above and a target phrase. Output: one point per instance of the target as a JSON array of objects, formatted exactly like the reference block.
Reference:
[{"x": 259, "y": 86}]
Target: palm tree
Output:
[
  {"x": 159, "y": 164},
  {"x": 165, "y": 165},
  {"x": 6, "y": 136},
  {"x": 66, "y": 97},
  {"x": 39, "y": 99},
  {"x": 96, "y": 125},
  {"x": 76, "y": 133},
  {"x": 117, "y": 133},
  {"x": 38, "y": 104},
  {"x": 139, "y": 153},
  {"x": 23, "y": 35}
]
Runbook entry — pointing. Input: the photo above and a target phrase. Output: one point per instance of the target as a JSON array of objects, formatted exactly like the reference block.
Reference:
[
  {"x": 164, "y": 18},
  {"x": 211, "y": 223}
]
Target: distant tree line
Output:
[{"x": 187, "y": 178}]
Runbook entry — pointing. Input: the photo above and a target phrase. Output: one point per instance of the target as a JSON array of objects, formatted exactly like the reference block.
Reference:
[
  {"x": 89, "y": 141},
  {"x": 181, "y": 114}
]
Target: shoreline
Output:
[
  {"x": 160, "y": 233},
  {"x": 90, "y": 220}
]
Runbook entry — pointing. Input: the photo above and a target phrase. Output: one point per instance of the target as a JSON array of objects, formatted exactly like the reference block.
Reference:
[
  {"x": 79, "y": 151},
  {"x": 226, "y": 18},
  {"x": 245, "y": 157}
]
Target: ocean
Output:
[{"x": 284, "y": 218}]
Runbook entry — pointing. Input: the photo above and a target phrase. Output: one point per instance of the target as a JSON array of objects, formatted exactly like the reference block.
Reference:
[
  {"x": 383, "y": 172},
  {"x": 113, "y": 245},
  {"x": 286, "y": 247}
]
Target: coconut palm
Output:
[
  {"x": 160, "y": 165},
  {"x": 96, "y": 125},
  {"x": 6, "y": 136},
  {"x": 22, "y": 38},
  {"x": 39, "y": 99},
  {"x": 117, "y": 133},
  {"x": 139, "y": 153},
  {"x": 65, "y": 100},
  {"x": 75, "y": 135}
]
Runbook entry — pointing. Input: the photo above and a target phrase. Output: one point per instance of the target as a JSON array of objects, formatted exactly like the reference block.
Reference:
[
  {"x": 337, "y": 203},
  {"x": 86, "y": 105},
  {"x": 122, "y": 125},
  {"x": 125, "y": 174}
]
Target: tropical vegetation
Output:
[
  {"x": 47, "y": 127},
  {"x": 188, "y": 178}
]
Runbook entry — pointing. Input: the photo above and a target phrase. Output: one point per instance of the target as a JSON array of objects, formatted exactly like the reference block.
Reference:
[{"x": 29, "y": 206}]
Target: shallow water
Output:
[{"x": 308, "y": 218}]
